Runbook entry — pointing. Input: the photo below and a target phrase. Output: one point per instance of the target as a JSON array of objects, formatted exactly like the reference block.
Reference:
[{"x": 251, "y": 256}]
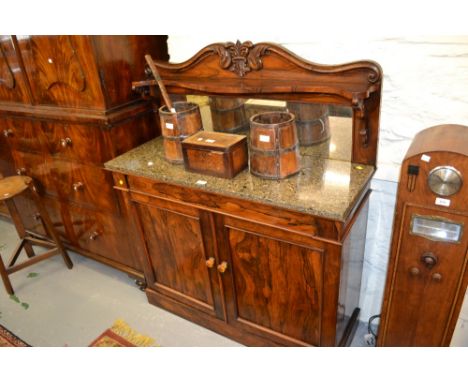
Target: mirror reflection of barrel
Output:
[
  {"x": 274, "y": 146},
  {"x": 228, "y": 114},
  {"x": 175, "y": 127},
  {"x": 312, "y": 122}
]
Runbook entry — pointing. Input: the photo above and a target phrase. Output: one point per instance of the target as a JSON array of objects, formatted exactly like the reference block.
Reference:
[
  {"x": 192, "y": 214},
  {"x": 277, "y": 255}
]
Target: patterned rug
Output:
[
  {"x": 8, "y": 339},
  {"x": 119, "y": 335},
  {"x": 122, "y": 335}
]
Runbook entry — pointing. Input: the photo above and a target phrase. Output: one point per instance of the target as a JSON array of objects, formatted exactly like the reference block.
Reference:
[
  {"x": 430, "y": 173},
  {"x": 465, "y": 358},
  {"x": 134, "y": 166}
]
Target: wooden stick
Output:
[{"x": 158, "y": 79}]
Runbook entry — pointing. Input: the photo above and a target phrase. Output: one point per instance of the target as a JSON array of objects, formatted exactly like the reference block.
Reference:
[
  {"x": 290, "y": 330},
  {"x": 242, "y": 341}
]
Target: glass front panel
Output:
[{"x": 436, "y": 229}]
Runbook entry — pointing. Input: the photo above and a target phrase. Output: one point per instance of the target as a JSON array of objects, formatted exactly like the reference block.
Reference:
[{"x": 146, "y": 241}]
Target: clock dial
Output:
[{"x": 445, "y": 180}]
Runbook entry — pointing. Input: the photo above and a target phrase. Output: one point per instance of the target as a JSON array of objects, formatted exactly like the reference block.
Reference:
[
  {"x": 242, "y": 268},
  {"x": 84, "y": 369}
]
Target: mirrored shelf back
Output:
[{"x": 336, "y": 107}]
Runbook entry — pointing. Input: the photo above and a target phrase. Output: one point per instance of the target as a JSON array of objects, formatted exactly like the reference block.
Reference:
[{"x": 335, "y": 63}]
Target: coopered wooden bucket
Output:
[
  {"x": 175, "y": 127},
  {"x": 228, "y": 114},
  {"x": 312, "y": 122},
  {"x": 274, "y": 146}
]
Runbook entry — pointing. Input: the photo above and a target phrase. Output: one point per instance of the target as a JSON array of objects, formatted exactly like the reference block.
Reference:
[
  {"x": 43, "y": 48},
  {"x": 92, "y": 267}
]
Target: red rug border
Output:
[{"x": 13, "y": 339}]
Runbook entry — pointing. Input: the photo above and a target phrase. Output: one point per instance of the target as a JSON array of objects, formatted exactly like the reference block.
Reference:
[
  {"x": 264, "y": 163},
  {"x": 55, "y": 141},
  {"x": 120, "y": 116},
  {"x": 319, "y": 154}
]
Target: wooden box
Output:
[{"x": 217, "y": 154}]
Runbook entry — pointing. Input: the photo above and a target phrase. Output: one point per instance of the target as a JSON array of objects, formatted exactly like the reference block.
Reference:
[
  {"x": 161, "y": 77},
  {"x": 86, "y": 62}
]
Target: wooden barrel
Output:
[
  {"x": 274, "y": 146},
  {"x": 177, "y": 126},
  {"x": 228, "y": 114},
  {"x": 185, "y": 121},
  {"x": 173, "y": 149},
  {"x": 312, "y": 122}
]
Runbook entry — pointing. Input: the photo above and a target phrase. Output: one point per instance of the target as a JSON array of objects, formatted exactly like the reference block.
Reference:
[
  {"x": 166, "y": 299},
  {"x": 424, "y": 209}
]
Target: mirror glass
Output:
[{"x": 323, "y": 130}]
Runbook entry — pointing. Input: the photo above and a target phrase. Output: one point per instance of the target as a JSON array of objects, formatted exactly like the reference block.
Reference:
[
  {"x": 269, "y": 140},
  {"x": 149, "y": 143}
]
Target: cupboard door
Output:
[
  {"x": 181, "y": 262},
  {"x": 12, "y": 82},
  {"x": 62, "y": 71},
  {"x": 273, "y": 286}
]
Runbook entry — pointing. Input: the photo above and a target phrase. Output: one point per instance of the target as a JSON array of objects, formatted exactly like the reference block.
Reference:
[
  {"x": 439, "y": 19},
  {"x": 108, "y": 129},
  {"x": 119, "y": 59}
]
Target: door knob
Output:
[
  {"x": 429, "y": 260},
  {"x": 222, "y": 267},
  {"x": 210, "y": 262}
]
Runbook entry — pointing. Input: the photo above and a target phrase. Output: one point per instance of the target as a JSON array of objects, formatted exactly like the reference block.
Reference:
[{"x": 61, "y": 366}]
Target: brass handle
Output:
[
  {"x": 65, "y": 142},
  {"x": 222, "y": 267},
  {"x": 94, "y": 235},
  {"x": 210, "y": 262},
  {"x": 21, "y": 171},
  {"x": 436, "y": 277},
  {"x": 415, "y": 271},
  {"x": 429, "y": 260},
  {"x": 78, "y": 186},
  {"x": 7, "y": 133}
]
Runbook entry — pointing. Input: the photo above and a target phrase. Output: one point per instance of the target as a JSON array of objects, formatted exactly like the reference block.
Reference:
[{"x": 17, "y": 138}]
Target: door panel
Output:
[
  {"x": 275, "y": 285},
  {"x": 412, "y": 317},
  {"x": 12, "y": 80},
  {"x": 62, "y": 71},
  {"x": 176, "y": 239}
]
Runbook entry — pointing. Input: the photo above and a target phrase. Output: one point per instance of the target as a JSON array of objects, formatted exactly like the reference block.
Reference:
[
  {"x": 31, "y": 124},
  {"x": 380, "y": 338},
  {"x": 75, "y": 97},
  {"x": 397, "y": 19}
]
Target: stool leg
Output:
[
  {"x": 49, "y": 226},
  {"x": 15, "y": 216},
  {"x": 5, "y": 278}
]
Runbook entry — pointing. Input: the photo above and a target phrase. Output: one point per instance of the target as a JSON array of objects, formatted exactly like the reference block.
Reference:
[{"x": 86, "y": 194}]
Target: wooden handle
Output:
[
  {"x": 157, "y": 77},
  {"x": 64, "y": 142},
  {"x": 210, "y": 262},
  {"x": 222, "y": 267}
]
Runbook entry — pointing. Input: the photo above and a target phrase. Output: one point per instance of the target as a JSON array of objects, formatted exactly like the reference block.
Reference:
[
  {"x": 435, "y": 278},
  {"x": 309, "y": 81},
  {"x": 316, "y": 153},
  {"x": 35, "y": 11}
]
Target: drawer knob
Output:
[
  {"x": 21, "y": 171},
  {"x": 222, "y": 267},
  {"x": 94, "y": 235},
  {"x": 210, "y": 262},
  {"x": 37, "y": 216},
  {"x": 8, "y": 133},
  {"x": 415, "y": 271},
  {"x": 436, "y": 277},
  {"x": 78, "y": 186},
  {"x": 429, "y": 260},
  {"x": 66, "y": 142}
]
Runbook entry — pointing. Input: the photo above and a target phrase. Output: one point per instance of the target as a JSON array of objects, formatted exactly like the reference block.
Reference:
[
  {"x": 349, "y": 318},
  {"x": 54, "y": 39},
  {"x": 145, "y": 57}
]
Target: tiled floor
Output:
[{"x": 61, "y": 307}]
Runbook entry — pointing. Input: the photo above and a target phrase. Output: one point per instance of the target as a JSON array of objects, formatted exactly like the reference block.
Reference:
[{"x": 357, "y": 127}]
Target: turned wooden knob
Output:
[
  {"x": 7, "y": 133},
  {"x": 78, "y": 186},
  {"x": 66, "y": 142},
  {"x": 222, "y": 267},
  {"x": 94, "y": 235},
  {"x": 21, "y": 171},
  {"x": 210, "y": 262},
  {"x": 415, "y": 271},
  {"x": 436, "y": 277}
]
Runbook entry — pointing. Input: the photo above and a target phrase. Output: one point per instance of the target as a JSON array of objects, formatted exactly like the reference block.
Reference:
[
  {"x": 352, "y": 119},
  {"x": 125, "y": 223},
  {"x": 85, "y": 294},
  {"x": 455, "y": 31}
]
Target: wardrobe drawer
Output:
[
  {"x": 82, "y": 143},
  {"x": 23, "y": 135},
  {"x": 37, "y": 167},
  {"x": 85, "y": 184}
]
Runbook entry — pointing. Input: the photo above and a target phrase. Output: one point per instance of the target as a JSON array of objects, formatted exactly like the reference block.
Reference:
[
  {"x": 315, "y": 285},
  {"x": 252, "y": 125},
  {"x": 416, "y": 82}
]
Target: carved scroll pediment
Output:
[
  {"x": 241, "y": 58},
  {"x": 6, "y": 75}
]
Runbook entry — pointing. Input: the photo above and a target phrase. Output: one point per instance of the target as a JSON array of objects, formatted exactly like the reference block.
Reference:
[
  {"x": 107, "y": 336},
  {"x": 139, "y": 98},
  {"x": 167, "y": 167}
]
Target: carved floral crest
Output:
[{"x": 241, "y": 58}]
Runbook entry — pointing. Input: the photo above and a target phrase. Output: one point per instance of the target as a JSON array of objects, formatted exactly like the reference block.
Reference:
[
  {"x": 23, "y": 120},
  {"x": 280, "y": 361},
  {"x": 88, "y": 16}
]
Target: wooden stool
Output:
[{"x": 9, "y": 188}]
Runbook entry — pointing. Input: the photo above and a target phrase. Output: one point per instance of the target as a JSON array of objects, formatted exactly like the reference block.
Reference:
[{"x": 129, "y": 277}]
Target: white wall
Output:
[{"x": 425, "y": 84}]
